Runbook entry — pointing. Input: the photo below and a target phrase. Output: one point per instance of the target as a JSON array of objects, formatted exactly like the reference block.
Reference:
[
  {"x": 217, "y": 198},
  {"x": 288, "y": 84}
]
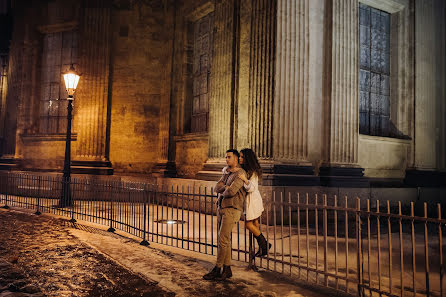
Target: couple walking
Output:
[{"x": 238, "y": 188}]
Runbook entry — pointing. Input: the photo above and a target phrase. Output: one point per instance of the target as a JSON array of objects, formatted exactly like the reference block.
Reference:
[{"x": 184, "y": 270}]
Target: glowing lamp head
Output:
[{"x": 71, "y": 80}]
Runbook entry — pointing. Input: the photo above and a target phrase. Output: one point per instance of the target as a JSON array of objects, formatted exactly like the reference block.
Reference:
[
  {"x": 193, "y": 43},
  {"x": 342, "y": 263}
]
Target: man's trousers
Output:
[{"x": 228, "y": 217}]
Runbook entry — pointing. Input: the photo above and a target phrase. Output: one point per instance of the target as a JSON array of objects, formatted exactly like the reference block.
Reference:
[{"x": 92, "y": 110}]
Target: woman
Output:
[{"x": 254, "y": 203}]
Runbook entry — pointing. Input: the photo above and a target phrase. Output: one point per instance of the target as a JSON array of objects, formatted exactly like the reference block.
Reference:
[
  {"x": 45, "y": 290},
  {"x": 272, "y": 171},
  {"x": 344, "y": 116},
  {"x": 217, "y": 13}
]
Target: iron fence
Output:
[{"x": 365, "y": 249}]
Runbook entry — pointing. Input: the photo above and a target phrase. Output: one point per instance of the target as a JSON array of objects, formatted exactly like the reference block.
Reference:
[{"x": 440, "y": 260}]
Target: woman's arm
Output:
[
  {"x": 235, "y": 186},
  {"x": 253, "y": 184}
]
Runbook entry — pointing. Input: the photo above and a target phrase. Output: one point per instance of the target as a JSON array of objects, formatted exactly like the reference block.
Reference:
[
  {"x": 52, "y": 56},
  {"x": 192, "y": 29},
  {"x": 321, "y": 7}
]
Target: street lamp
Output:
[{"x": 71, "y": 80}]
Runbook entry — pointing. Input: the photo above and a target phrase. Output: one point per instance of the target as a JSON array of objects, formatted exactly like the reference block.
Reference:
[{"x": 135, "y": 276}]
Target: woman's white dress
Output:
[{"x": 254, "y": 202}]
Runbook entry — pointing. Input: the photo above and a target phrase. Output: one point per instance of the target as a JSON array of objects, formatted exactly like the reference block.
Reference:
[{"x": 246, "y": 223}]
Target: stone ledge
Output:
[
  {"x": 8, "y": 163},
  {"x": 48, "y": 137},
  {"x": 92, "y": 167},
  {"x": 191, "y": 137},
  {"x": 348, "y": 177},
  {"x": 425, "y": 178}
]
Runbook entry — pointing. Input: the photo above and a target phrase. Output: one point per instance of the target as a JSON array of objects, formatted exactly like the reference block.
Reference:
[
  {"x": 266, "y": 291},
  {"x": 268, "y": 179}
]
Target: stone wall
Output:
[
  {"x": 191, "y": 154},
  {"x": 283, "y": 80},
  {"x": 430, "y": 137},
  {"x": 383, "y": 157},
  {"x": 386, "y": 157},
  {"x": 124, "y": 60},
  {"x": 23, "y": 98},
  {"x": 189, "y": 151},
  {"x": 140, "y": 68}
]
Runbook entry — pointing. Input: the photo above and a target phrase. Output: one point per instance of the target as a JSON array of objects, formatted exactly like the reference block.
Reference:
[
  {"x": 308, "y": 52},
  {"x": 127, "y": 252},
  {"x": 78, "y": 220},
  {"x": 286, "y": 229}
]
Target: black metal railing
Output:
[{"x": 346, "y": 244}]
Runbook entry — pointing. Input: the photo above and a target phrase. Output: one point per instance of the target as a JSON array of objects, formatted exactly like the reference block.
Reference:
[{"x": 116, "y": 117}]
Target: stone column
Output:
[
  {"x": 166, "y": 165},
  {"x": 92, "y": 99},
  {"x": 223, "y": 88},
  {"x": 256, "y": 76},
  {"x": 19, "y": 98},
  {"x": 425, "y": 85},
  {"x": 25, "y": 92},
  {"x": 244, "y": 99},
  {"x": 12, "y": 102},
  {"x": 10, "y": 90},
  {"x": 341, "y": 97},
  {"x": 441, "y": 87},
  {"x": 291, "y": 86},
  {"x": 428, "y": 168},
  {"x": 222, "y": 77},
  {"x": 4, "y": 61},
  {"x": 273, "y": 101},
  {"x": 288, "y": 114}
]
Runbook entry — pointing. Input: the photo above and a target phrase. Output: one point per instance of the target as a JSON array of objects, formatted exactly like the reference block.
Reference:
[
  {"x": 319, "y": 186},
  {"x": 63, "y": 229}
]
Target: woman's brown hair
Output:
[{"x": 251, "y": 163}]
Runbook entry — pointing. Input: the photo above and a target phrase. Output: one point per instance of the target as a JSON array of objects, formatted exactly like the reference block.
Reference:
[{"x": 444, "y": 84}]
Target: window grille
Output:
[
  {"x": 374, "y": 71},
  {"x": 59, "y": 52},
  {"x": 202, "y": 53}
]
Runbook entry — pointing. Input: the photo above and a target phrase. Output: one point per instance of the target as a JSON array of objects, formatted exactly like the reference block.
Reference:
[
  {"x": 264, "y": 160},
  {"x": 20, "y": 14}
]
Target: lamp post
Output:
[{"x": 71, "y": 80}]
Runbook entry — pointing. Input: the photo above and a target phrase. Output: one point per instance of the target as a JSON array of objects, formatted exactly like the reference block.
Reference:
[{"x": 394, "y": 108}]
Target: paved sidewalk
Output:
[{"x": 62, "y": 259}]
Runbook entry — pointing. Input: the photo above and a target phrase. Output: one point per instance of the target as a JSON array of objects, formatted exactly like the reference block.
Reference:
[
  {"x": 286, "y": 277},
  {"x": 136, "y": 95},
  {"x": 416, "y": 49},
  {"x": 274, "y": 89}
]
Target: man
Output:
[{"x": 230, "y": 206}]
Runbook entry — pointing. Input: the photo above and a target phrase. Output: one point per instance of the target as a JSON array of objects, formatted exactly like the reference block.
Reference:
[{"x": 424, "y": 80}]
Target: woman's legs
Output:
[
  {"x": 253, "y": 227},
  {"x": 264, "y": 245}
]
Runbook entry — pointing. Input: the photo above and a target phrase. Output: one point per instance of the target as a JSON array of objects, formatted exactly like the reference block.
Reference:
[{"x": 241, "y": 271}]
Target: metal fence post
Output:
[
  {"x": 426, "y": 251},
  {"x": 111, "y": 229},
  {"x": 1, "y": 188},
  {"x": 358, "y": 247},
  {"x": 6, "y": 193},
  {"x": 325, "y": 240},
  {"x": 440, "y": 242},
  {"x": 252, "y": 257},
  {"x": 39, "y": 182},
  {"x": 254, "y": 266},
  {"x": 144, "y": 242},
  {"x": 71, "y": 198}
]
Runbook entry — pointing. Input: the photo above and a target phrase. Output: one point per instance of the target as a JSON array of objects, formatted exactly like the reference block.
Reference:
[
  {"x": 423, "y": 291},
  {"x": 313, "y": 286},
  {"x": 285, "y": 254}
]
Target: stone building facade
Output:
[{"x": 340, "y": 93}]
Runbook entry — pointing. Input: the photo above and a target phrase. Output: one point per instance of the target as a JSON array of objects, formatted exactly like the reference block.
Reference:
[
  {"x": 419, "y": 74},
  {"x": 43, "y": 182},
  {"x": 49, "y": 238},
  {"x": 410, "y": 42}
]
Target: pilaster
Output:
[
  {"x": 429, "y": 161},
  {"x": 223, "y": 88},
  {"x": 288, "y": 112},
  {"x": 222, "y": 77},
  {"x": 341, "y": 97},
  {"x": 92, "y": 97}
]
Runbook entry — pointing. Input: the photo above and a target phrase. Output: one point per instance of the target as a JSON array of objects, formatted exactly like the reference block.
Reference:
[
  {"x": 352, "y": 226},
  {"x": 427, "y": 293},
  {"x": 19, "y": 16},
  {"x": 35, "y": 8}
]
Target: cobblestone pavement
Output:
[{"x": 38, "y": 257}]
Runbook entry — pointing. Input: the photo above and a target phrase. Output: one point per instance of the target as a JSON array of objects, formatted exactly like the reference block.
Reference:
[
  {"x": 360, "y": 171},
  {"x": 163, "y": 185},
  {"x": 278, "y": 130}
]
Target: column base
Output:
[
  {"x": 346, "y": 177},
  {"x": 425, "y": 178},
  {"x": 289, "y": 175},
  {"x": 8, "y": 163},
  {"x": 91, "y": 167},
  {"x": 273, "y": 174},
  {"x": 167, "y": 169},
  {"x": 386, "y": 182},
  {"x": 211, "y": 171}
]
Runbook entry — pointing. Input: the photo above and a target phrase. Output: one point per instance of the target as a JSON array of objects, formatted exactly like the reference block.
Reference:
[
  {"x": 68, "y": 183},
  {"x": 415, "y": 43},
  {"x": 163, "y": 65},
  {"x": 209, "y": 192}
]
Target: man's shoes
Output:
[
  {"x": 213, "y": 274},
  {"x": 227, "y": 273}
]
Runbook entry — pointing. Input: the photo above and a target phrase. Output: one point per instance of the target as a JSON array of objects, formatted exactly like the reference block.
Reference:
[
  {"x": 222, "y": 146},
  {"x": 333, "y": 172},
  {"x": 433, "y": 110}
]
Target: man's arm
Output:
[
  {"x": 233, "y": 188},
  {"x": 220, "y": 187}
]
